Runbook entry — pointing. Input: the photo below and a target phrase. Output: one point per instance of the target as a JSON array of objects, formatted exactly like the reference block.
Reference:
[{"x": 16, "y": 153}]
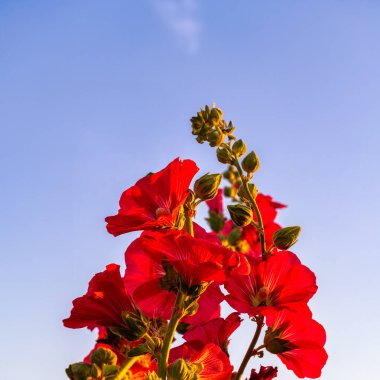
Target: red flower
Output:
[
  {"x": 212, "y": 362},
  {"x": 155, "y": 200},
  {"x": 143, "y": 279},
  {"x": 268, "y": 208},
  {"x": 216, "y": 331},
  {"x": 278, "y": 282},
  {"x": 196, "y": 260},
  {"x": 266, "y": 373},
  {"x": 104, "y": 302},
  {"x": 216, "y": 204},
  {"x": 298, "y": 341}
]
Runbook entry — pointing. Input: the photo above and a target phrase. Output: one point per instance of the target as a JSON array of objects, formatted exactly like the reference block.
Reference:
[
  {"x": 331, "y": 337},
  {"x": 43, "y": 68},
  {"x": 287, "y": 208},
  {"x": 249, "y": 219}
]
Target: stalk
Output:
[
  {"x": 125, "y": 367},
  {"x": 176, "y": 316},
  {"x": 248, "y": 354}
]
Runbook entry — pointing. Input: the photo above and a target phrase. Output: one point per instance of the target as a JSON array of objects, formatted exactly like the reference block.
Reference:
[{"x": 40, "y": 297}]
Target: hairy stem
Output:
[
  {"x": 248, "y": 354},
  {"x": 176, "y": 316},
  {"x": 254, "y": 206}
]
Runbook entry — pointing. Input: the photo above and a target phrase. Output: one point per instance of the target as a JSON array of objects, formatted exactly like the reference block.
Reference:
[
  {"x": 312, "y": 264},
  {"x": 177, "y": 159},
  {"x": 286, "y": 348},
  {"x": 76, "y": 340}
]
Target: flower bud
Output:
[
  {"x": 103, "y": 356},
  {"x": 241, "y": 215},
  {"x": 224, "y": 155},
  {"x": 181, "y": 369},
  {"x": 253, "y": 191},
  {"x": 152, "y": 376},
  {"x": 234, "y": 236},
  {"x": 215, "y": 138},
  {"x": 135, "y": 326},
  {"x": 230, "y": 191},
  {"x": 286, "y": 237},
  {"x": 250, "y": 162},
  {"x": 206, "y": 187},
  {"x": 239, "y": 148},
  {"x": 79, "y": 371},
  {"x": 216, "y": 115}
]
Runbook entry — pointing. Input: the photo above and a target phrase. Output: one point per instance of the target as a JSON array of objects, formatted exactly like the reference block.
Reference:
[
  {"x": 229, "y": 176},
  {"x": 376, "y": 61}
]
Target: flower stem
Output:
[
  {"x": 125, "y": 367},
  {"x": 248, "y": 354},
  {"x": 189, "y": 224},
  {"x": 176, "y": 316},
  {"x": 252, "y": 201}
]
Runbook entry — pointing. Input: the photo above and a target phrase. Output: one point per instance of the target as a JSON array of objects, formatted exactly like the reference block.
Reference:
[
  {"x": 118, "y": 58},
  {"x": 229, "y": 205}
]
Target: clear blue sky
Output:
[{"x": 94, "y": 94}]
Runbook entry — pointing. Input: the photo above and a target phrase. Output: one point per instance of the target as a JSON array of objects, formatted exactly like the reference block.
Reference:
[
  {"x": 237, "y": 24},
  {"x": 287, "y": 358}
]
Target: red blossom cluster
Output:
[{"x": 178, "y": 274}]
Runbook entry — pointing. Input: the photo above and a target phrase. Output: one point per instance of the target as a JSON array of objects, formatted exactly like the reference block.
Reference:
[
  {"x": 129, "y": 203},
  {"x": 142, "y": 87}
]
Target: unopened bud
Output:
[
  {"x": 216, "y": 221},
  {"x": 224, "y": 155},
  {"x": 234, "y": 236},
  {"x": 239, "y": 148},
  {"x": 216, "y": 115},
  {"x": 152, "y": 376},
  {"x": 286, "y": 237},
  {"x": 181, "y": 369},
  {"x": 230, "y": 191},
  {"x": 215, "y": 138},
  {"x": 206, "y": 187},
  {"x": 250, "y": 162},
  {"x": 135, "y": 326},
  {"x": 241, "y": 215},
  {"x": 79, "y": 371},
  {"x": 252, "y": 191},
  {"x": 103, "y": 356}
]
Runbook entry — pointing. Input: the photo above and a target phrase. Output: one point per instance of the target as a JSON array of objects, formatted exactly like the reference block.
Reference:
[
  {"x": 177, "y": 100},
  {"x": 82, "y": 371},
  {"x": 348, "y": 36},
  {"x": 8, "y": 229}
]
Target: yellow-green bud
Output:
[
  {"x": 241, "y": 215},
  {"x": 181, "y": 369},
  {"x": 253, "y": 191},
  {"x": 239, "y": 148},
  {"x": 79, "y": 371},
  {"x": 286, "y": 237},
  {"x": 206, "y": 187},
  {"x": 216, "y": 115},
  {"x": 215, "y": 138},
  {"x": 250, "y": 162},
  {"x": 152, "y": 376},
  {"x": 230, "y": 191},
  {"x": 103, "y": 356},
  {"x": 135, "y": 326},
  {"x": 224, "y": 155}
]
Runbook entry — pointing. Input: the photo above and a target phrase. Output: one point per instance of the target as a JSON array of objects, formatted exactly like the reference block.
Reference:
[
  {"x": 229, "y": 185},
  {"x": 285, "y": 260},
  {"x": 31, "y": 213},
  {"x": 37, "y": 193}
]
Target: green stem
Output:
[
  {"x": 189, "y": 224},
  {"x": 254, "y": 206},
  {"x": 125, "y": 367},
  {"x": 248, "y": 354},
  {"x": 176, "y": 316}
]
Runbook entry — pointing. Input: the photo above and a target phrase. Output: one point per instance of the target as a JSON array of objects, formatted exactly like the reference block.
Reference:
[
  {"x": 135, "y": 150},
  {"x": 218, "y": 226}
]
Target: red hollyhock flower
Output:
[
  {"x": 104, "y": 302},
  {"x": 268, "y": 208},
  {"x": 196, "y": 260},
  {"x": 212, "y": 361},
  {"x": 155, "y": 200},
  {"x": 265, "y": 373},
  {"x": 278, "y": 282},
  {"x": 216, "y": 331},
  {"x": 298, "y": 341},
  {"x": 216, "y": 204},
  {"x": 142, "y": 279}
]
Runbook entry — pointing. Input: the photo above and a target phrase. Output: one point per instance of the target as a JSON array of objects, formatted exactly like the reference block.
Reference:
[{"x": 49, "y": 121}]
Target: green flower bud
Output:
[
  {"x": 183, "y": 327},
  {"x": 234, "y": 236},
  {"x": 79, "y": 371},
  {"x": 224, "y": 155},
  {"x": 239, "y": 148},
  {"x": 286, "y": 237},
  {"x": 109, "y": 371},
  {"x": 216, "y": 115},
  {"x": 181, "y": 369},
  {"x": 215, "y": 138},
  {"x": 216, "y": 221},
  {"x": 230, "y": 191},
  {"x": 96, "y": 372},
  {"x": 206, "y": 187},
  {"x": 250, "y": 162},
  {"x": 241, "y": 215},
  {"x": 103, "y": 356},
  {"x": 253, "y": 191}
]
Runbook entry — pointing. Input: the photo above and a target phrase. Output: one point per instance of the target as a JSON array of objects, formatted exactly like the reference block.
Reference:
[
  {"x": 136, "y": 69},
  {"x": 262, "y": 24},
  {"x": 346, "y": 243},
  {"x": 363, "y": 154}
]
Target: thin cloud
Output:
[{"x": 181, "y": 17}]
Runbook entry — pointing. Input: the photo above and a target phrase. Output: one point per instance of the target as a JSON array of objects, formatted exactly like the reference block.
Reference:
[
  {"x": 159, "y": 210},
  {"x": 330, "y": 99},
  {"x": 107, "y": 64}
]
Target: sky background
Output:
[{"x": 95, "y": 94}]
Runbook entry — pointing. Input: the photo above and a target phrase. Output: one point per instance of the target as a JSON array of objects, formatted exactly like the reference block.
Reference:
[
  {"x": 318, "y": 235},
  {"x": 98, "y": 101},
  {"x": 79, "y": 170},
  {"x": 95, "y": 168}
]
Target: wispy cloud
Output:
[{"x": 181, "y": 17}]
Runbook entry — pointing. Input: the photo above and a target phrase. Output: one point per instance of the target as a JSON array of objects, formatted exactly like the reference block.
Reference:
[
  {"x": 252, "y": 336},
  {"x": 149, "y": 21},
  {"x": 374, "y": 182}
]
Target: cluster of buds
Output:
[
  {"x": 209, "y": 125},
  {"x": 175, "y": 271}
]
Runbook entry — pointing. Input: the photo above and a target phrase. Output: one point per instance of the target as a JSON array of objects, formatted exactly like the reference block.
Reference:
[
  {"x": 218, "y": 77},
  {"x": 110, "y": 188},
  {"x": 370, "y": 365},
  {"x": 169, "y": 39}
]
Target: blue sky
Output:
[{"x": 95, "y": 94}]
